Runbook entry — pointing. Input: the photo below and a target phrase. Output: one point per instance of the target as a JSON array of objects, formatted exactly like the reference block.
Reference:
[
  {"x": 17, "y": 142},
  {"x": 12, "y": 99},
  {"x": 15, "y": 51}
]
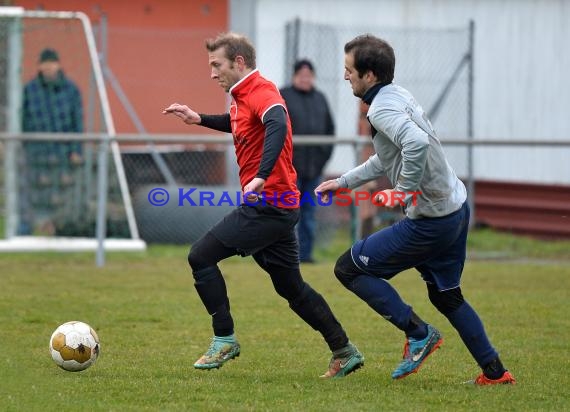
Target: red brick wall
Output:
[{"x": 156, "y": 50}]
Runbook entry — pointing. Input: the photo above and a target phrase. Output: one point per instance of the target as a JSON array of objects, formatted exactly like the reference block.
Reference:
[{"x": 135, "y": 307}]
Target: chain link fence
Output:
[
  {"x": 432, "y": 64},
  {"x": 45, "y": 191},
  {"x": 62, "y": 202},
  {"x": 59, "y": 198},
  {"x": 206, "y": 189},
  {"x": 202, "y": 167},
  {"x": 426, "y": 63}
]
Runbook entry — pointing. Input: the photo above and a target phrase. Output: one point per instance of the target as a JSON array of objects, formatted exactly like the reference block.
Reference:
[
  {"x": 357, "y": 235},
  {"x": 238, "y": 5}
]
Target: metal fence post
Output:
[
  {"x": 292, "y": 39},
  {"x": 102, "y": 187},
  {"x": 470, "y": 136},
  {"x": 355, "y": 224},
  {"x": 14, "y": 100}
]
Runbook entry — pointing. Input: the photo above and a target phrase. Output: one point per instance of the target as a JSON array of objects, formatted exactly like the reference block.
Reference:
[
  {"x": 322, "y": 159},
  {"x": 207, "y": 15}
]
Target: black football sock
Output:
[
  {"x": 494, "y": 369},
  {"x": 313, "y": 309},
  {"x": 211, "y": 288}
]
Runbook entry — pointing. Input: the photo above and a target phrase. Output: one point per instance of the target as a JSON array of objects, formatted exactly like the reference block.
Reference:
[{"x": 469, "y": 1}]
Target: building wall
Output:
[
  {"x": 156, "y": 51},
  {"x": 520, "y": 69}
]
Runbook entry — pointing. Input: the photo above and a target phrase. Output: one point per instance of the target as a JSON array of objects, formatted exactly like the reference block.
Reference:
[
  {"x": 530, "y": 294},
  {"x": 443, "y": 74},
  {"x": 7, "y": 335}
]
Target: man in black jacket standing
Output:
[{"x": 310, "y": 115}]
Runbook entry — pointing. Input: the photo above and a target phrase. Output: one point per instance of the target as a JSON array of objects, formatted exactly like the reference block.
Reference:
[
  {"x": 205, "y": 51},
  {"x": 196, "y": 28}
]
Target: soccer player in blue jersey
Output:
[{"x": 432, "y": 236}]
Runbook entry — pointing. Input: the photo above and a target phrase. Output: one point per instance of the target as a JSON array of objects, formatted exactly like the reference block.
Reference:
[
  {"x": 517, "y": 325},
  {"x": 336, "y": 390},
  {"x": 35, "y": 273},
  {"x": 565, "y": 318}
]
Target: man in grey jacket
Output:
[{"x": 431, "y": 238}]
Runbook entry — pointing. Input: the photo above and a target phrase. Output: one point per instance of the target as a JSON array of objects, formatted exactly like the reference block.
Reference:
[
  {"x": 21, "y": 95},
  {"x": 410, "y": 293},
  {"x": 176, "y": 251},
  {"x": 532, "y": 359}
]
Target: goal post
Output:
[{"x": 95, "y": 203}]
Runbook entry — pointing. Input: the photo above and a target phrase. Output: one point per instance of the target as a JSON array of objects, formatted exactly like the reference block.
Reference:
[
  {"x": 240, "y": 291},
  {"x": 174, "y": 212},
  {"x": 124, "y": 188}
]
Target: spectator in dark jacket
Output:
[
  {"x": 51, "y": 104},
  {"x": 310, "y": 115}
]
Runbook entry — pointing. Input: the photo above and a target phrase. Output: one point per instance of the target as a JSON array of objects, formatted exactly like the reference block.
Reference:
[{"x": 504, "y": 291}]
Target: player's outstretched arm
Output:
[{"x": 182, "y": 111}]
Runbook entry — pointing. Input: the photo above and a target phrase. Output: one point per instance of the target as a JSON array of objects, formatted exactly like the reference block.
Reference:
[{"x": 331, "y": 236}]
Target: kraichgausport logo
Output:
[{"x": 193, "y": 197}]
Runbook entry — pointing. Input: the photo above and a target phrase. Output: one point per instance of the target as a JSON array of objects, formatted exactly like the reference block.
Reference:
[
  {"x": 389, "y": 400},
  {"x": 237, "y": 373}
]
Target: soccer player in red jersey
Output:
[{"x": 264, "y": 225}]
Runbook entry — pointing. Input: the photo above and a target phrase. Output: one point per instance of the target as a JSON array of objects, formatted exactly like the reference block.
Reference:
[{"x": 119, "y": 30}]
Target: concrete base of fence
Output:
[
  {"x": 181, "y": 220},
  {"x": 67, "y": 244}
]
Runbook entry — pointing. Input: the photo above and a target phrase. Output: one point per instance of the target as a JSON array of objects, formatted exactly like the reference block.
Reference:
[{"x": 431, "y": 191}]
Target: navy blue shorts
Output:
[{"x": 436, "y": 247}]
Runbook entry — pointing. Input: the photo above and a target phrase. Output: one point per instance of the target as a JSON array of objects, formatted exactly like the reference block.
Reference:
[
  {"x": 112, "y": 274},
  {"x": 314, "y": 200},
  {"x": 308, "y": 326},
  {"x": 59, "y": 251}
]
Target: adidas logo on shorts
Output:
[{"x": 364, "y": 259}]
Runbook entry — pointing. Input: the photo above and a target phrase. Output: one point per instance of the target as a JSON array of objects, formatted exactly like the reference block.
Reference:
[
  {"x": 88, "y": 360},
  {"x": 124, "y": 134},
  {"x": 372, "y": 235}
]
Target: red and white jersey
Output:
[{"x": 252, "y": 97}]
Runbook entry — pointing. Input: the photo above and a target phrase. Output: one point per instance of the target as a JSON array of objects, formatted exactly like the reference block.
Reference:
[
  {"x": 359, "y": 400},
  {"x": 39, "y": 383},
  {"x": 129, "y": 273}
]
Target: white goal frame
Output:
[{"x": 34, "y": 243}]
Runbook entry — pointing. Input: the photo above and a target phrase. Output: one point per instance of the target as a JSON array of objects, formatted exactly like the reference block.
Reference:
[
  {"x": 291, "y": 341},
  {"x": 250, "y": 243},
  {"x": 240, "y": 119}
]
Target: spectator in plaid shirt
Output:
[{"x": 51, "y": 104}]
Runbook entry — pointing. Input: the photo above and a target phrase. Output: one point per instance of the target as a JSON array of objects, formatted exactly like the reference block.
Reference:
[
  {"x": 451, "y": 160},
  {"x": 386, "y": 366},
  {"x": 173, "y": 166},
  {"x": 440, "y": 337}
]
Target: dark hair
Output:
[
  {"x": 374, "y": 54},
  {"x": 234, "y": 45},
  {"x": 299, "y": 64}
]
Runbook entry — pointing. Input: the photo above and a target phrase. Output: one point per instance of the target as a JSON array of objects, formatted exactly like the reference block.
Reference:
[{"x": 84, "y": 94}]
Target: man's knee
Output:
[
  {"x": 345, "y": 270},
  {"x": 196, "y": 259},
  {"x": 288, "y": 282},
  {"x": 446, "y": 301},
  {"x": 202, "y": 253},
  {"x": 205, "y": 275}
]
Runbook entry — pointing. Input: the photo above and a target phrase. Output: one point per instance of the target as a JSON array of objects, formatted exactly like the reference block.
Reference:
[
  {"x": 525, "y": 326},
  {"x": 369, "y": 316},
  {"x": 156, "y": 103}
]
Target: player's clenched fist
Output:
[{"x": 326, "y": 189}]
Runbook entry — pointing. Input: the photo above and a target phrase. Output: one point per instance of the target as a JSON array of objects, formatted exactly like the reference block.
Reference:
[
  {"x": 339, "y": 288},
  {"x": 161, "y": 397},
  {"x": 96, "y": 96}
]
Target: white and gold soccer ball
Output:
[{"x": 74, "y": 346}]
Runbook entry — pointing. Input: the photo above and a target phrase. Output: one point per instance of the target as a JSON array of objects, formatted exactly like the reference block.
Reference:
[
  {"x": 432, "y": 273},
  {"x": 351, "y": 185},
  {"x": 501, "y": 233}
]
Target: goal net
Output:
[{"x": 62, "y": 177}]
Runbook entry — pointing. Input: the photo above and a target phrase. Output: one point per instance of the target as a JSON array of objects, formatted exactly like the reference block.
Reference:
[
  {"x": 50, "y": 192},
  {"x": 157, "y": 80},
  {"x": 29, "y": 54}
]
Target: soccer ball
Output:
[{"x": 74, "y": 346}]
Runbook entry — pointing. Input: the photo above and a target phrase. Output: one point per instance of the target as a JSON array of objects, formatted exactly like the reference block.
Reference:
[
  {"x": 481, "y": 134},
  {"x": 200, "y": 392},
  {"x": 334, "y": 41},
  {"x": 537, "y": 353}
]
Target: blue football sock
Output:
[
  {"x": 383, "y": 298},
  {"x": 417, "y": 328},
  {"x": 469, "y": 326}
]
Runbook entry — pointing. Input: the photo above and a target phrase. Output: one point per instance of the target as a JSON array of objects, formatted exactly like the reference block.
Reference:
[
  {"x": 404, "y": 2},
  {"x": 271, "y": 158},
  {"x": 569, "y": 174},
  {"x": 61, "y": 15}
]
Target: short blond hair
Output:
[{"x": 234, "y": 45}]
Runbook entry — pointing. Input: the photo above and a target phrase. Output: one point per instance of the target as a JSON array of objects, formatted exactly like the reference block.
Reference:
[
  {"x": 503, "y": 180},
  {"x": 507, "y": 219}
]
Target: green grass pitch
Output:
[{"x": 152, "y": 327}]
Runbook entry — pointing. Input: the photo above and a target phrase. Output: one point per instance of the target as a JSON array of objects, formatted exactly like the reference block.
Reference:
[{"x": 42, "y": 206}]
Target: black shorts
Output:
[{"x": 264, "y": 231}]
